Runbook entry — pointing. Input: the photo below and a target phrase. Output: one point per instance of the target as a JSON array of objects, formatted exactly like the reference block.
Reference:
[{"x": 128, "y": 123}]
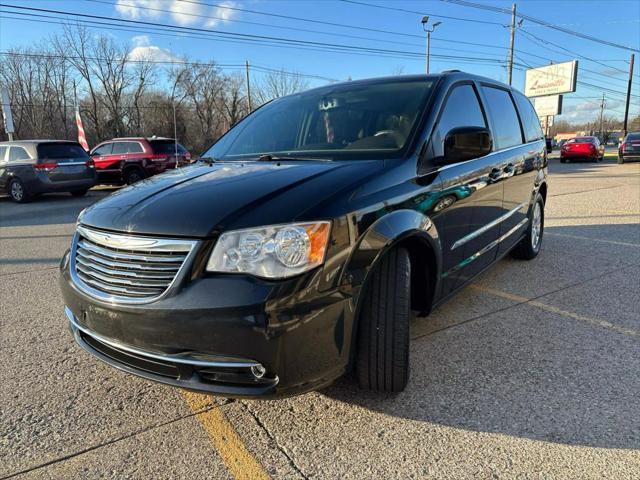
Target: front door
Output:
[{"x": 471, "y": 197}]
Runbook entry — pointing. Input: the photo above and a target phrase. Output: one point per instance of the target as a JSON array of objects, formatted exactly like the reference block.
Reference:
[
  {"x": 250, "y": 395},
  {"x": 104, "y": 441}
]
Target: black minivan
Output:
[
  {"x": 31, "y": 167},
  {"x": 298, "y": 248}
]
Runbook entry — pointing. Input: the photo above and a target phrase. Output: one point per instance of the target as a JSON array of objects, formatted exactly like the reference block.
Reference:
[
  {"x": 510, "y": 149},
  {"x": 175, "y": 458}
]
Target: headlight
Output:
[{"x": 276, "y": 251}]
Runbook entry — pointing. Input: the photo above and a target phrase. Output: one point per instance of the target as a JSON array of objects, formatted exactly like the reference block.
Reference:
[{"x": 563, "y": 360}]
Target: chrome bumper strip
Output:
[{"x": 182, "y": 359}]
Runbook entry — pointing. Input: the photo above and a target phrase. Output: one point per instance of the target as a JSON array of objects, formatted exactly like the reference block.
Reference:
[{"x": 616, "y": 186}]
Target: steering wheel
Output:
[{"x": 391, "y": 133}]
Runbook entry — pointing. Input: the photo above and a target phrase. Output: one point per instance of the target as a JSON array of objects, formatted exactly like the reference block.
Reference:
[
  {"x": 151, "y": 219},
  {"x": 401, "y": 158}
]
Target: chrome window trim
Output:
[
  {"x": 66, "y": 164},
  {"x": 485, "y": 228},
  {"x": 187, "y": 247},
  {"x": 182, "y": 359}
]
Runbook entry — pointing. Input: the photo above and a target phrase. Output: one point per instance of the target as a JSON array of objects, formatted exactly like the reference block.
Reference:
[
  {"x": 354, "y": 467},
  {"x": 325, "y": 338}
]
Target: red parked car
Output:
[
  {"x": 582, "y": 148},
  {"x": 129, "y": 160}
]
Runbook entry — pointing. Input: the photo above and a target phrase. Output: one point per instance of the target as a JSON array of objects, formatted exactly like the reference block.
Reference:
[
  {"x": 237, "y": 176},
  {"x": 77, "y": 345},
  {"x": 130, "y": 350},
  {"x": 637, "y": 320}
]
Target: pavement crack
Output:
[
  {"x": 587, "y": 191},
  {"x": 110, "y": 442},
  {"x": 281, "y": 448},
  {"x": 28, "y": 271}
]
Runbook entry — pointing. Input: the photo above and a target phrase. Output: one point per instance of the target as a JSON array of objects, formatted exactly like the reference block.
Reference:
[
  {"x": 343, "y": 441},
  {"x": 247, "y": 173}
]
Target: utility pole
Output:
[
  {"x": 246, "y": 64},
  {"x": 626, "y": 107},
  {"x": 601, "y": 113},
  {"x": 513, "y": 36},
  {"x": 425, "y": 26}
]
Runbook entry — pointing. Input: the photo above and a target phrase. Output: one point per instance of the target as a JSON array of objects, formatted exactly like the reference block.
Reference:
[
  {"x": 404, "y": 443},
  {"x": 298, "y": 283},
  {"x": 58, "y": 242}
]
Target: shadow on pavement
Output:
[{"x": 527, "y": 372}]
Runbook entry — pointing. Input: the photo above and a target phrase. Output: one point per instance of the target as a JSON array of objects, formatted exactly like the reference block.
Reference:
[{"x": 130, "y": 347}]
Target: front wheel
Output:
[
  {"x": 529, "y": 246},
  {"x": 382, "y": 361},
  {"x": 620, "y": 160}
]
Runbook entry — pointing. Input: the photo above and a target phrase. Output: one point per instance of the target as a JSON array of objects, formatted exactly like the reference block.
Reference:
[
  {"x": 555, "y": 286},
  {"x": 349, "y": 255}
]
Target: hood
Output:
[{"x": 199, "y": 200}]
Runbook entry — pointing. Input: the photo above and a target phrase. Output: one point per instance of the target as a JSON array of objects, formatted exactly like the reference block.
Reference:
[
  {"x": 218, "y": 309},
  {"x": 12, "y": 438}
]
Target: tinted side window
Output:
[
  {"x": 531, "y": 124},
  {"x": 504, "y": 118},
  {"x": 119, "y": 147},
  {"x": 134, "y": 147},
  {"x": 103, "y": 149},
  {"x": 461, "y": 110},
  {"x": 17, "y": 154},
  {"x": 3, "y": 151}
]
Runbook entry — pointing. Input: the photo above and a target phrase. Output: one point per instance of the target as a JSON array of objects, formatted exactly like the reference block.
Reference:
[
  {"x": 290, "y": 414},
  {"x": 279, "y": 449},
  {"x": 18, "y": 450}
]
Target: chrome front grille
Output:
[{"x": 126, "y": 268}]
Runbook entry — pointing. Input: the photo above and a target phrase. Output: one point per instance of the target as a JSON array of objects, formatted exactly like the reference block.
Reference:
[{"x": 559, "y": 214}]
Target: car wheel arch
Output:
[{"x": 407, "y": 229}]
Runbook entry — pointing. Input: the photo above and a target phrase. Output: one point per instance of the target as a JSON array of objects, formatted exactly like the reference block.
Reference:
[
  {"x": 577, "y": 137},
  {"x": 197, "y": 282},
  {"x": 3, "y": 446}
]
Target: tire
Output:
[
  {"x": 529, "y": 246},
  {"x": 133, "y": 175},
  {"x": 382, "y": 361},
  {"x": 17, "y": 192},
  {"x": 79, "y": 193},
  {"x": 563, "y": 160},
  {"x": 620, "y": 160}
]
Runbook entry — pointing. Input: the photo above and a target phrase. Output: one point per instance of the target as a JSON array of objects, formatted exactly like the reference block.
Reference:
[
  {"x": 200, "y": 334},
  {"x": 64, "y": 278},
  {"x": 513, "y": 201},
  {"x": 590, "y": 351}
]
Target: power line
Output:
[
  {"x": 278, "y": 41},
  {"x": 437, "y": 15},
  {"x": 559, "y": 28}
]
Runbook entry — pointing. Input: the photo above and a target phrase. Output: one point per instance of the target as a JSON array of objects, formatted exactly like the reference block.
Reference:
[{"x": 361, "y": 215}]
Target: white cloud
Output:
[
  {"x": 143, "y": 50},
  {"x": 136, "y": 9},
  {"x": 185, "y": 13},
  {"x": 223, "y": 14}
]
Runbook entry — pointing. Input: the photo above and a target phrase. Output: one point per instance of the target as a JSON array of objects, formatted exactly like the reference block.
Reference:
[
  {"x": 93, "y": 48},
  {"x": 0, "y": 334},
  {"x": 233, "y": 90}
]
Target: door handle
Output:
[{"x": 495, "y": 174}]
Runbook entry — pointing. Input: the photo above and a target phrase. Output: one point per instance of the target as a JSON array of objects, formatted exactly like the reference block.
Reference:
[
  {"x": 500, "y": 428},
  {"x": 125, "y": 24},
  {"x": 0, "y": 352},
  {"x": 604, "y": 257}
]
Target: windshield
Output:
[
  {"x": 581, "y": 140},
  {"x": 166, "y": 146},
  {"x": 61, "y": 151},
  {"x": 340, "y": 122}
]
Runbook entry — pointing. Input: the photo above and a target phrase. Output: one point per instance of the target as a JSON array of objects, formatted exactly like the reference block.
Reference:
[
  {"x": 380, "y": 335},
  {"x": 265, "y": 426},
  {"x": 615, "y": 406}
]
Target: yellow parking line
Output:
[
  {"x": 578, "y": 237},
  {"x": 228, "y": 444},
  {"x": 630, "y": 332}
]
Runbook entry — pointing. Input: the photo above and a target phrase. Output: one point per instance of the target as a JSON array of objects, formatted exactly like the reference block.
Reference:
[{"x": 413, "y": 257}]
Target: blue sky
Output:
[{"x": 615, "y": 21}]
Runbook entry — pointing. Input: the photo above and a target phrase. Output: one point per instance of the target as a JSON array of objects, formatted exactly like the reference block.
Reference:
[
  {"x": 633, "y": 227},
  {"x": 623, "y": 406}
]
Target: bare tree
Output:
[{"x": 278, "y": 83}]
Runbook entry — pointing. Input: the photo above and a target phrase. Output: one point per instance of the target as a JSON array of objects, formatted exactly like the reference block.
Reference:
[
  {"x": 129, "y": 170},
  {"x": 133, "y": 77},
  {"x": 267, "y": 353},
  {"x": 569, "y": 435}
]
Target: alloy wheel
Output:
[
  {"x": 16, "y": 191},
  {"x": 536, "y": 226}
]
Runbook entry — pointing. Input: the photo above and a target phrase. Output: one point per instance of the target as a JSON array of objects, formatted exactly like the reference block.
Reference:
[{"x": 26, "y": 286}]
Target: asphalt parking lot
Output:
[{"x": 530, "y": 372}]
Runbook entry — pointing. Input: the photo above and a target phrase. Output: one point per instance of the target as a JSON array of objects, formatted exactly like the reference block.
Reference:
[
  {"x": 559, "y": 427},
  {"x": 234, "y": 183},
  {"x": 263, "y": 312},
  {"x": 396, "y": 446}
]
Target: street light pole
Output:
[{"x": 425, "y": 26}]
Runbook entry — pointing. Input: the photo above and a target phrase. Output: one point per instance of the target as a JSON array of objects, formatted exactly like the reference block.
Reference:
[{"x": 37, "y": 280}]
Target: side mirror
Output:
[
  {"x": 466, "y": 143},
  {"x": 549, "y": 145}
]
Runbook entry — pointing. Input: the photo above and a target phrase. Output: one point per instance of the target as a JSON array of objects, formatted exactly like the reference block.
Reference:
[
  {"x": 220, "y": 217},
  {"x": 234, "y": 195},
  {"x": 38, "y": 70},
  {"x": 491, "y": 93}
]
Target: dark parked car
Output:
[
  {"x": 298, "y": 249},
  {"x": 31, "y": 167},
  {"x": 629, "y": 150},
  {"x": 129, "y": 160},
  {"x": 582, "y": 148}
]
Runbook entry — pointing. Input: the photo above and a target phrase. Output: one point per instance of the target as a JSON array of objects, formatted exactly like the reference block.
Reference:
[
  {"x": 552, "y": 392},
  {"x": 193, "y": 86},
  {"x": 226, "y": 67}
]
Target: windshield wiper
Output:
[
  {"x": 208, "y": 160},
  {"x": 269, "y": 157}
]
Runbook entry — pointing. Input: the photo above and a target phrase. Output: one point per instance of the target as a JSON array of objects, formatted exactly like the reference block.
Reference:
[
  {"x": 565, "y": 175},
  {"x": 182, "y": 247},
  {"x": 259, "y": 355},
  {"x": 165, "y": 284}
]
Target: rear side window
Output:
[
  {"x": 61, "y": 151},
  {"x": 530, "y": 122},
  {"x": 3, "y": 152},
  {"x": 166, "y": 146},
  {"x": 461, "y": 110},
  {"x": 104, "y": 149},
  {"x": 17, "y": 154},
  {"x": 134, "y": 147},
  {"x": 504, "y": 118},
  {"x": 119, "y": 147}
]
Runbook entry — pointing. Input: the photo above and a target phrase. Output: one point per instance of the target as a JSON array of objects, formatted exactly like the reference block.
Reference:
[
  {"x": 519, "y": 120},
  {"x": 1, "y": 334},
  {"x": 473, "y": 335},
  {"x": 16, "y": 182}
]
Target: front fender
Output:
[{"x": 384, "y": 234}]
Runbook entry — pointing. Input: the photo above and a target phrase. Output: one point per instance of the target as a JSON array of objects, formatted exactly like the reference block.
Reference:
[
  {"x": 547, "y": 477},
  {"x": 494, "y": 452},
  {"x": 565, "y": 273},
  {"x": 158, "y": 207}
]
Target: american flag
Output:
[{"x": 82, "y": 140}]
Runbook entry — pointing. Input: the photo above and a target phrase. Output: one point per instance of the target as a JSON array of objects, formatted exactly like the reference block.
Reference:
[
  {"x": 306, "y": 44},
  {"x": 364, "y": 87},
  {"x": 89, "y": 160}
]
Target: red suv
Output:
[{"x": 128, "y": 160}]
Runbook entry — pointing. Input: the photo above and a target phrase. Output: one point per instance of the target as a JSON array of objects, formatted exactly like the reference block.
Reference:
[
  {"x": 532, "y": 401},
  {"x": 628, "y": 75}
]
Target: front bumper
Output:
[{"x": 216, "y": 333}]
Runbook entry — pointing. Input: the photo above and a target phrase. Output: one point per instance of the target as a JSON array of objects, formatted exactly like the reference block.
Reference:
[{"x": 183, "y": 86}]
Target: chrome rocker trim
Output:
[{"x": 488, "y": 226}]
